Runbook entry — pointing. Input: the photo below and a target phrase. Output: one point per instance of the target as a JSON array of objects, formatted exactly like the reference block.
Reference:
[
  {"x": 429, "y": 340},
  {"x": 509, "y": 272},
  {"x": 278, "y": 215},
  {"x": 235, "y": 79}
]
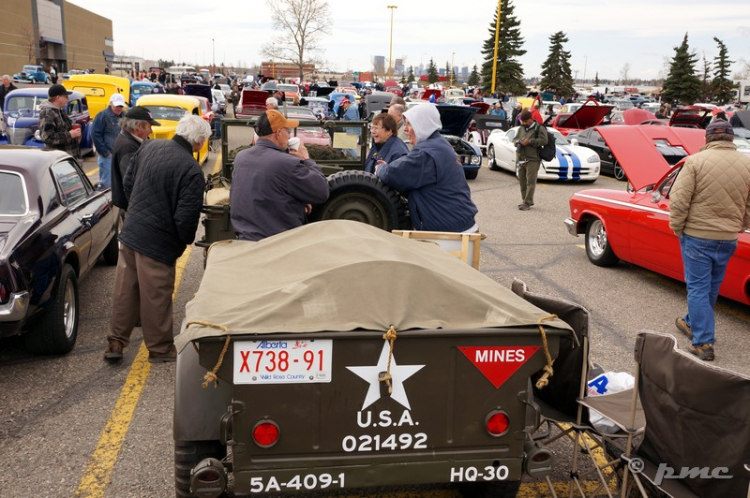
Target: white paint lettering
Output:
[
  {"x": 385, "y": 418},
  {"x": 405, "y": 419},
  {"x": 364, "y": 423}
]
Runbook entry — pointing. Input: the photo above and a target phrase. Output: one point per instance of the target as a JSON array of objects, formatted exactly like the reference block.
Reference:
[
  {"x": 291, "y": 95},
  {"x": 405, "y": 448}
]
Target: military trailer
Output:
[{"x": 338, "y": 356}]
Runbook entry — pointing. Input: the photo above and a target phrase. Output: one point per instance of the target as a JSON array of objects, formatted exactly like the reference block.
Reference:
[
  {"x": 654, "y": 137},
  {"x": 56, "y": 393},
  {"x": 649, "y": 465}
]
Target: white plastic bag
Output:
[{"x": 607, "y": 383}]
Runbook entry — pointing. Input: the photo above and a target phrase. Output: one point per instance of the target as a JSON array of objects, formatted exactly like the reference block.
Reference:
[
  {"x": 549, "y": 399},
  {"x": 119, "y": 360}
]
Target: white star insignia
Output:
[{"x": 399, "y": 374}]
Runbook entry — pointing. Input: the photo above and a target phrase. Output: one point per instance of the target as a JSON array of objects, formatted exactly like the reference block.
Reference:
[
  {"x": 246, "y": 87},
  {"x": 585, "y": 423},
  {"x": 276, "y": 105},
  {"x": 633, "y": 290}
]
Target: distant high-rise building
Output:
[
  {"x": 398, "y": 66},
  {"x": 379, "y": 64},
  {"x": 465, "y": 72},
  {"x": 441, "y": 71}
]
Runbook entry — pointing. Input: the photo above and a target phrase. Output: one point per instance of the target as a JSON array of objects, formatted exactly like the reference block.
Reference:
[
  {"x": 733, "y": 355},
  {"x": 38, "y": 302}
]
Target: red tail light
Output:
[
  {"x": 266, "y": 433},
  {"x": 497, "y": 423},
  {"x": 3, "y": 294}
]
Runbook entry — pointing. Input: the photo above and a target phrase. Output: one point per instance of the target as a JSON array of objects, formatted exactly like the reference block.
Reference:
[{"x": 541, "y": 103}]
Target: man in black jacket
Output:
[
  {"x": 5, "y": 89},
  {"x": 164, "y": 186},
  {"x": 135, "y": 128}
]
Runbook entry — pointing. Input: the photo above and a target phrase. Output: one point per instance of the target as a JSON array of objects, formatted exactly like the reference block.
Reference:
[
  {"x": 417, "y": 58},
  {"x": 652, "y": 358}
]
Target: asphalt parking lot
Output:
[{"x": 67, "y": 428}]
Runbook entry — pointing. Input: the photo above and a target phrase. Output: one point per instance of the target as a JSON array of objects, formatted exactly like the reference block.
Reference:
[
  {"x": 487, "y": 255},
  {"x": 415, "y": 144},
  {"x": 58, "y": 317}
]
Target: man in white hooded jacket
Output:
[{"x": 431, "y": 176}]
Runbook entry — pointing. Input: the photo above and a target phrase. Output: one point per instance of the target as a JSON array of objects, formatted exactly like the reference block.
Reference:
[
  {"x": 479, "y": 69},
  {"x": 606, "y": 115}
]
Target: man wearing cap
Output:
[
  {"x": 135, "y": 126},
  {"x": 104, "y": 132},
  {"x": 272, "y": 189},
  {"x": 54, "y": 124},
  {"x": 709, "y": 208}
]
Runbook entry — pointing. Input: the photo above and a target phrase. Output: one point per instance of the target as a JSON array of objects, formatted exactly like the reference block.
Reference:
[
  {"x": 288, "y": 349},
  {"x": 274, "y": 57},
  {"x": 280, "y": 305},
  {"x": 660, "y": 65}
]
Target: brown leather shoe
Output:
[
  {"x": 167, "y": 357},
  {"x": 113, "y": 351}
]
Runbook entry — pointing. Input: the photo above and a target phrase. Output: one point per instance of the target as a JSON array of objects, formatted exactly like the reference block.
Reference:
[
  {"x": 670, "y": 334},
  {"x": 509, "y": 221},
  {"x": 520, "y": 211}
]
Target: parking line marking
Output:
[
  {"x": 93, "y": 172},
  {"x": 98, "y": 474},
  {"x": 217, "y": 164}
]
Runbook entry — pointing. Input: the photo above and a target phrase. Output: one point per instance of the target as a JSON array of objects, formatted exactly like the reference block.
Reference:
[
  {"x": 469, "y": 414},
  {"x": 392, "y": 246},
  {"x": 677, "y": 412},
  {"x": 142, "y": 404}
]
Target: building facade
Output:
[{"x": 54, "y": 32}]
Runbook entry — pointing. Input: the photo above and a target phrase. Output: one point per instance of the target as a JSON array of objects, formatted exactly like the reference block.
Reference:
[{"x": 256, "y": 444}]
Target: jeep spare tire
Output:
[{"x": 361, "y": 196}]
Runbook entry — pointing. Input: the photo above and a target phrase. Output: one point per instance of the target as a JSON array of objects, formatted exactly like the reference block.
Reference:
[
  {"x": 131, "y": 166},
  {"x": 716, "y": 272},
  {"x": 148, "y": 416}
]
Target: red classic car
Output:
[
  {"x": 634, "y": 225},
  {"x": 589, "y": 114}
]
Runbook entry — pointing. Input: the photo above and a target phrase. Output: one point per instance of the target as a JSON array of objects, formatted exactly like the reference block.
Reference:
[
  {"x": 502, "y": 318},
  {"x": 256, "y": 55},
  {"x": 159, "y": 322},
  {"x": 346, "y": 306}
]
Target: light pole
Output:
[
  {"x": 453, "y": 57},
  {"x": 585, "y": 63},
  {"x": 497, "y": 34},
  {"x": 213, "y": 46},
  {"x": 390, "y": 55}
]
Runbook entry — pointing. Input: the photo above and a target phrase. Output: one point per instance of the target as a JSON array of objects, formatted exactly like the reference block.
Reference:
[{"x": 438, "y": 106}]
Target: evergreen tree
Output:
[
  {"x": 706, "y": 91},
  {"x": 682, "y": 84},
  {"x": 473, "y": 77},
  {"x": 722, "y": 84},
  {"x": 403, "y": 78},
  {"x": 596, "y": 79},
  {"x": 556, "y": 77},
  {"x": 454, "y": 76},
  {"x": 410, "y": 78},
  {"x": 432, "y": 72},
  {"x": 509, "y": 76}
]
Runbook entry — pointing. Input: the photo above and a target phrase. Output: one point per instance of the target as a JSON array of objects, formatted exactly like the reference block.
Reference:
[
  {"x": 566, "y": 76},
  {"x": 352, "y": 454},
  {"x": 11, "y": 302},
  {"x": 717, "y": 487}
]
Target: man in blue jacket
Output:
[
  {"x": 104, "y": 132},
  {"x": 273, "y": 189},
  {"x": 431, "y": 176}
]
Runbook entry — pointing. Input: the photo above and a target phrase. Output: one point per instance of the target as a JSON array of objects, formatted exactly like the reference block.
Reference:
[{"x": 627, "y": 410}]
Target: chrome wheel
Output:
[
  {"x": 69, "y": 309},
  {"x": 491, "y": 157},
  {"x": 618, "y": 171},
  {"x": 598, "y": 238}
]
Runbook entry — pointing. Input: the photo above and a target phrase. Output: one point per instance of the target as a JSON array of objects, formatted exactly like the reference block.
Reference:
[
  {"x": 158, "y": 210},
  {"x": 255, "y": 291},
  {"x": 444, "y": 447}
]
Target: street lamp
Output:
[
  {"x": 453, "y": 57},
  {"x": 390, "y": 55},
  {"x": 585, "y": 63},
  {"x": 213, "y": 44}
]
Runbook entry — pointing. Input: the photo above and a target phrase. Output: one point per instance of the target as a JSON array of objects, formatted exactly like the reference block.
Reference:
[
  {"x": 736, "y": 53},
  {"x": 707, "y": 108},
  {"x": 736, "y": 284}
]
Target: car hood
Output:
[
  {"x": 455, "y": 119},
  {"x": 636, "y": 116},
  {"x": 586, "y": 117},
  {"x": 635, "y": 151},
  {"x": 744, "y": 117},
  {"x": 199, "y": 91},
  {"x": 689, "y": 116}
]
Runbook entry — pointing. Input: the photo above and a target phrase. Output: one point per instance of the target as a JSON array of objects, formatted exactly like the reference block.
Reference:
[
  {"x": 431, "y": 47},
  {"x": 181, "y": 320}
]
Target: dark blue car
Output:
[{"x": 21, "y": 117}]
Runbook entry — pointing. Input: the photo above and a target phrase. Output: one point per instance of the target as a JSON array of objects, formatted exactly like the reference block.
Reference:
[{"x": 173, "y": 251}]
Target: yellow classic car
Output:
[
  {"x": 98, "y": 88},
  {"x": 167, "y": 109}
]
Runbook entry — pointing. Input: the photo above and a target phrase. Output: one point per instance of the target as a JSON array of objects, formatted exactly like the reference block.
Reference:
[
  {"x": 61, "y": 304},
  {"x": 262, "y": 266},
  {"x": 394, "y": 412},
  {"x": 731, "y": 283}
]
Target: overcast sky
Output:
[{"x": 604, "y": 35}]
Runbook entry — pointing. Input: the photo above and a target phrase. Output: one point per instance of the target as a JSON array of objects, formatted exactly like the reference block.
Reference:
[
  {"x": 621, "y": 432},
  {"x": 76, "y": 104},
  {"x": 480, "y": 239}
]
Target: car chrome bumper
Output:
[
  {"x": 572, "y": 226},
  {"x": 16, "y": 307}
]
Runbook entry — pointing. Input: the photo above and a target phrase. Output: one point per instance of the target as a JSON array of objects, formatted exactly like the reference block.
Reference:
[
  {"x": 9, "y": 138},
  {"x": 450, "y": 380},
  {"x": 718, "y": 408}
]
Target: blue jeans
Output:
[
  {"x": 105, "y": 170},
  {"x": 705, "y": 262}
]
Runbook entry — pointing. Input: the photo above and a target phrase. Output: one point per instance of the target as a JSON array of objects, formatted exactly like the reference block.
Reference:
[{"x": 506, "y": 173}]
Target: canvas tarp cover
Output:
[{"x": 341, "y": 276}]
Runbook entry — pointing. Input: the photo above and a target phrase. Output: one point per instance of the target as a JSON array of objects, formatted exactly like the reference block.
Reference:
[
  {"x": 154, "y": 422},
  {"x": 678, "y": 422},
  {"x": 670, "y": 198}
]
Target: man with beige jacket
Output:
[{"x": 709, "y": 207}]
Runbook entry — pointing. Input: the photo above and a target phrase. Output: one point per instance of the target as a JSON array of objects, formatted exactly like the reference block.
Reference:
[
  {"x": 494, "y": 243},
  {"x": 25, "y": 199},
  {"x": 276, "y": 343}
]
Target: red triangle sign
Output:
[{"x": 498, "y": 363}]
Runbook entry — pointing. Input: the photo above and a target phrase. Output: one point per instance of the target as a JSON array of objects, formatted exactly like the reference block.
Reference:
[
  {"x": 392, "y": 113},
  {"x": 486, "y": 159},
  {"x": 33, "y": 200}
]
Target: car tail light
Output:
[
  {"x": 497, "y": 423},
  {"x": 266, "y": 433},
  {"x": 3, "y": 294}
]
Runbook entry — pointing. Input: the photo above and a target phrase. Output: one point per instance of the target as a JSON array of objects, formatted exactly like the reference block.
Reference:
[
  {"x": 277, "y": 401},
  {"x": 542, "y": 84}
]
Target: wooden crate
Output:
[{"x": 464, "y": 246}]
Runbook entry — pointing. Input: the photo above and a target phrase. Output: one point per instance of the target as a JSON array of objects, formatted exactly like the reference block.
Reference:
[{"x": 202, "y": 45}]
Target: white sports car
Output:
[{"x": 572, "y": 162}]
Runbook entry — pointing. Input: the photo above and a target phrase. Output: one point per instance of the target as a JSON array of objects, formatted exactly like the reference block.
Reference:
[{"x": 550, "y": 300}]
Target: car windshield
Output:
[
  {"x": 141, "y": 90},
  {"x": 12, "y": 194},
  {"x": 289, "y": 88},
  {"x": 23, "y": 106},
  {"x": 559, "y": 137},
  {"x": 166, "y": 112}
]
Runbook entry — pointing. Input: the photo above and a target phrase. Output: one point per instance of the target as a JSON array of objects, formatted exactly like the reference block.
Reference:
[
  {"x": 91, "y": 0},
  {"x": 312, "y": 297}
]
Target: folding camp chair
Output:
[
  {"x": 564, "y": 403},
  {"x": 698, "y": 424}
]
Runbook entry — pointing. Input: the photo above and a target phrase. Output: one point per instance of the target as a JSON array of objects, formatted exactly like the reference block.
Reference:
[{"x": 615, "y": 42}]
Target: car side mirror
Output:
[
  {"x": 573, "y": 141},
  {"x": 656, "y": 196}
]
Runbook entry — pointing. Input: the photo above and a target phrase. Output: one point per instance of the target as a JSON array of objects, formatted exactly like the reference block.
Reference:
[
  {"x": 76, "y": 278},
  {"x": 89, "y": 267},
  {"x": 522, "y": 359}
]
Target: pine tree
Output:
[
  {"x": 682, "y": 85},
  {"x": 509, "y": 76},
  {"x": 556, "y": 76},
  {"x": 596, "y": 79},
  {"x": 454, "y": 76},
  {"x": 410, "y": 78},
  {"x": 432, "y": 72},
  {"x": 473, "y": 77},
  {"x": 706, "y": 90},
  {"x": 722, "y": 85}
]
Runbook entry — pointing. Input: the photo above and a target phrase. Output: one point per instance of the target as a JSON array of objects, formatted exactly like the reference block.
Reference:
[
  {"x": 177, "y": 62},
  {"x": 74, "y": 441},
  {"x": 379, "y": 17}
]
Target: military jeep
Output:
[{"x": 338, "y": 356}]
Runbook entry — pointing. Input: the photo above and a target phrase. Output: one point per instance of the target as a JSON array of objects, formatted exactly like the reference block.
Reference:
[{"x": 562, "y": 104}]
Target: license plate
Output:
[{"x": 283, "y": 362}]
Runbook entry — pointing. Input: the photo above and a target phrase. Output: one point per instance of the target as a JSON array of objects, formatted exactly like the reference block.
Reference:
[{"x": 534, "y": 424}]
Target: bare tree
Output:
[
  {"x": 28, "y": 42},
  {"x": 624, "y": 73},
  {"x": 302, "y": 24}
]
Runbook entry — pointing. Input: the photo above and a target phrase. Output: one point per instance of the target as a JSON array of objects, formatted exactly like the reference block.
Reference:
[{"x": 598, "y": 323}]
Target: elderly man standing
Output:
[
  {"x": 56, "y": 127},
  {"x": 136, "y": 127},
  {"x": 5, "y": 89},
  {"x": 272, "y": 189},
  {"x": 272, "y": 103},
  {"x": 104, "y": 132},
  {"x": 709, "y": 207},
  {"x": 397, "y": 111},
  {"x": 164, "y": 186}
]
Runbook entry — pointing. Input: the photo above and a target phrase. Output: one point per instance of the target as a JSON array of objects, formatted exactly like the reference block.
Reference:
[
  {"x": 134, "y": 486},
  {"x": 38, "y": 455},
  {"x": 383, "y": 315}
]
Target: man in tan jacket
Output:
[{"x": 709, "y": 207}]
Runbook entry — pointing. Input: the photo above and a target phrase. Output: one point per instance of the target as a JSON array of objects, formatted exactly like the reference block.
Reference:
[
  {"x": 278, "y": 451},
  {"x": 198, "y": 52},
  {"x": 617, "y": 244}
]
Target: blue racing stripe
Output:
[
  {"x": 576, "y": 163},
  {"x": 562, "y": 161}
]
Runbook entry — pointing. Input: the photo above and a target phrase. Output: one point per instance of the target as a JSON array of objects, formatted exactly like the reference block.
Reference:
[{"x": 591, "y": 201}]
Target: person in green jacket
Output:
[{"x": 531, "y": 137}]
